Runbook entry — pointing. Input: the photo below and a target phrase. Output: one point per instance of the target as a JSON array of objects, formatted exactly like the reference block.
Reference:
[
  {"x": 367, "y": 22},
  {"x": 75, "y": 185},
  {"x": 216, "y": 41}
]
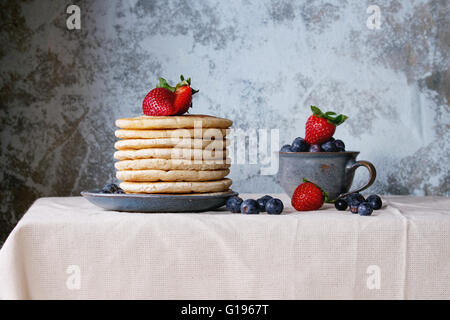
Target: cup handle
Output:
[{"x": 372, "y": 172}]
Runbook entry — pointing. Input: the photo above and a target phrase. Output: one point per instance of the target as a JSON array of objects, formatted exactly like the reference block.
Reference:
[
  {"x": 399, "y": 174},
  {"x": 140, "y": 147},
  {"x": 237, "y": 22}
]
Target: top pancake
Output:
[
  {"x": 173, "y": 122},
  {"x": 205, "y": 133}
]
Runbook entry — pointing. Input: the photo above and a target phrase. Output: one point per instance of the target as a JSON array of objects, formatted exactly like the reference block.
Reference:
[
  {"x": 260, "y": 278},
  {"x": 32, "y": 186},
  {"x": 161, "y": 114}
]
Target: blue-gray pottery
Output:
[
  {"x": 332, "y": 171},
  {"x": 158, "y": 203}
]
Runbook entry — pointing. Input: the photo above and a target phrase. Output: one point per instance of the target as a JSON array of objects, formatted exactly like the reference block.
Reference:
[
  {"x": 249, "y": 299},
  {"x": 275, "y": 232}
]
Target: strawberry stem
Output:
[{"x": 184, "y": 82}]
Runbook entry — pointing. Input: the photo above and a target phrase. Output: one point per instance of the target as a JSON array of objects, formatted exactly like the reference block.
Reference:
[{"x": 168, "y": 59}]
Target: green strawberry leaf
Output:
[
  {"x": 164, "y": 84},
  {"x": 316, "y": 111},
  {"x": 331, "y": 116},
  {"x": 337, "y": 120},
  {"x": 340, "y": 119},
  {"x": 184, "y": 82}
]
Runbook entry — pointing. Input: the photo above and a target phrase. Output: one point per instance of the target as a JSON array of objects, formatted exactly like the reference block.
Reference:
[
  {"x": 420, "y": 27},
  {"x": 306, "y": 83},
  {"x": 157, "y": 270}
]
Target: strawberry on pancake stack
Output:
[{"x": 166, "y": 100}]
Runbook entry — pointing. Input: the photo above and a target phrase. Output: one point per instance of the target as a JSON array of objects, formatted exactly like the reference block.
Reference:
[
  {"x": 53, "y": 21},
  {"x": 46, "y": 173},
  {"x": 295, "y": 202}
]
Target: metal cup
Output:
[{"x": 332, "y": 171}]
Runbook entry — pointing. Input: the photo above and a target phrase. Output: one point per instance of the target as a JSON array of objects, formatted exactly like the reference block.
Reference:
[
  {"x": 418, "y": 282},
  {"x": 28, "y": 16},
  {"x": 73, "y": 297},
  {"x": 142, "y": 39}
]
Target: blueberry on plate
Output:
[
  {"x": 299, "y": 145},
  {"x": 340, "y": 146},
  {"x": 262, "y": 202},
  {"x": 286, "y": 148},
  {"x": 329, "y": 146},
  {"x": 374, "y": 201},
  {"x": 234, "y": 204},
  {"x": 314, "y": 148},
  {"x": 110, "y": 188},
  {"x": 364, "y": 209},
  {"x": 340, "y": 204},
  {"x": 250, "y": 206},
  {"x": 274, "y": 206}
]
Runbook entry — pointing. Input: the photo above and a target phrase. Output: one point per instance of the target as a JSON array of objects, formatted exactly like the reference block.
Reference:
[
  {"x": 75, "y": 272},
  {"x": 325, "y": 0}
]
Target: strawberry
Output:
[
  {"x": 159, "y": 102},
  {"x": 320, "y": 127},
  {"x": 166, "y": 100},
  {"x": 308, "y": 196},
  {"x": 183, "y": 95}
]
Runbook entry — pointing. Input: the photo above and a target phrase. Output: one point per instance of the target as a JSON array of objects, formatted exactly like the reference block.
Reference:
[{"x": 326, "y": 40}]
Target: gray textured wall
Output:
[{"x": 259, "y": 63}]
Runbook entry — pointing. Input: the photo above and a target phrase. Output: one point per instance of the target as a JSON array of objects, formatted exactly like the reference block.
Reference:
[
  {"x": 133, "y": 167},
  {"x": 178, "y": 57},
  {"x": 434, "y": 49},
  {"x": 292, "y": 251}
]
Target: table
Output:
[{"x": 66, "y": 248}]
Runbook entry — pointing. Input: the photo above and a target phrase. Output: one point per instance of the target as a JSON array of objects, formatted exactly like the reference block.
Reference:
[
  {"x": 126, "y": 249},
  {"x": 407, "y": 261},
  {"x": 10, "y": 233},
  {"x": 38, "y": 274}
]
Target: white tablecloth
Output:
[{"x": 66, "y": 248}]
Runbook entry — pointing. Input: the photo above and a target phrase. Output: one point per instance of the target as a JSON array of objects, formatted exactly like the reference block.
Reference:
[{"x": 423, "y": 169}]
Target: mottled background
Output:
[{"x": 259, "y": 63}]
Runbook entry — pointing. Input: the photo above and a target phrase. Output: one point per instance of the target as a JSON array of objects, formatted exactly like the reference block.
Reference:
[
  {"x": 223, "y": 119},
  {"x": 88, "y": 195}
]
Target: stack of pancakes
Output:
[{"x": 173, "y": 154}]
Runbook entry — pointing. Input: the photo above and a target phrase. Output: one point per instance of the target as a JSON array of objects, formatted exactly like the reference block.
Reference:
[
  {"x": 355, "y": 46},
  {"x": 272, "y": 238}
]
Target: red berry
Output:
[
  {"x": 320, "y": 127},
  {"x": 166, "y": 100},
  {"x": 318, "y": 130},
  {"x": 307, "y": 196},
  {"x": 183, "y": 99},
  {"x": 159, "y": 102}
]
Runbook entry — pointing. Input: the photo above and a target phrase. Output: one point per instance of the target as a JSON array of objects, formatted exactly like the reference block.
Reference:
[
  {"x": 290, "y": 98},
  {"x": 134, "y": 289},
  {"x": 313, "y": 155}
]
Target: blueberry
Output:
[
  {"x": 314, "y": 148},
  {"x": 374, "y": 201},
  {"x": 329, "y": 146},
  {"x": 354, "y": 207},
  {"x": 250, "y": 206},
  {"x": 286, "y": 148},
  {"x": 110, "y": 188},
  {"x": 340, "y": 146},
  {"x": 234, "y": 204},
  {"x": 274, "y": 206},
  {"x": 262, "y": 202},
  {"x": 119, "y": 191},
  {"x": 364, "y": 209},
  {"x": 299, "y": 145},
  {"x": 340, "y": 204},
  {"x": 355, "y": 196},
  {"x": 353, "y": 200}
]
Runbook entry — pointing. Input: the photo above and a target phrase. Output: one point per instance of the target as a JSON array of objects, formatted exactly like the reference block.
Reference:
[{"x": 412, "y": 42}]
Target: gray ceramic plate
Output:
[{"x": 158, "y": 203}]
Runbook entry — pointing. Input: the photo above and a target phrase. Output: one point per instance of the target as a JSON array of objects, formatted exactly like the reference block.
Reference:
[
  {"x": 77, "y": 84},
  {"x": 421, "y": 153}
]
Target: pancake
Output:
[
  {"x": 205, "y": 133},
  {"x": 176, "y": 187},
  {"x": 171, "y": 175},
  {"x": 173, "y": 122},
  {"x": 172, "y": 164},
  {"x": 183, "y": 143},
  {"x": 171, "y": 153}
]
